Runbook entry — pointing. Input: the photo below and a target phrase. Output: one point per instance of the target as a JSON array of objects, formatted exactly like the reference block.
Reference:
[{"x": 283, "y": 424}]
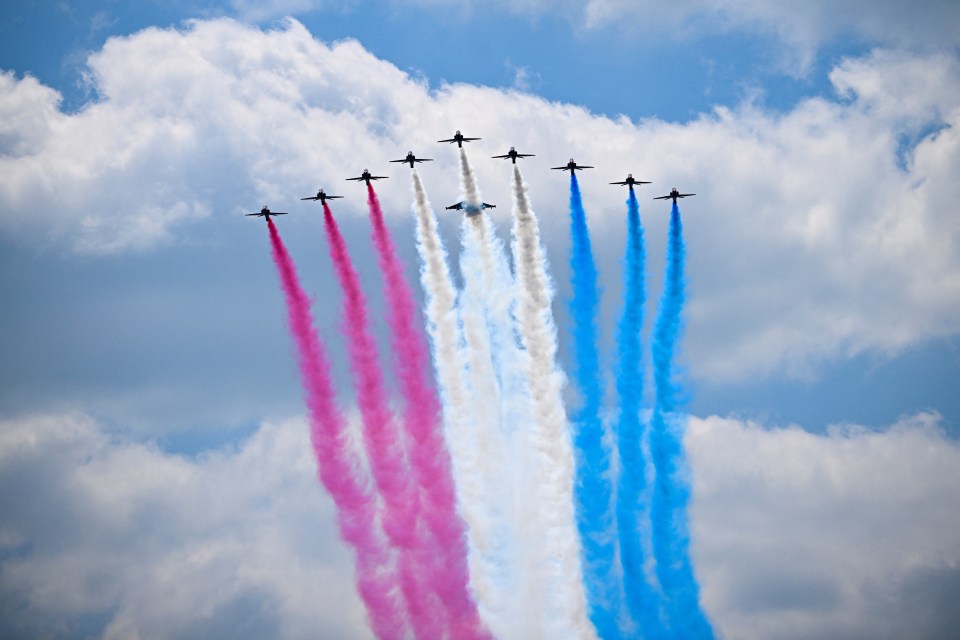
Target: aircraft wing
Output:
[
  {"x": 312, "y": 198},
  {"x": 684, "y": 195},
  {"x": 663, "y": 197},
  {"x": 360, "y": 178},
  {"x": 507, "y": 155},
  {"x": 624, "y": 182},
  {"x": 449, "y": 140},
  {"x": 403, "y": 160},
  {"x": 379, "y": 177},
  {"x": 563, "y": 168},
  {"x": 484, "y": 205},
  {"x": 584, "y": 166},
  {"x": 459, "y": 205},
  {"x": 423, "y": 160}
]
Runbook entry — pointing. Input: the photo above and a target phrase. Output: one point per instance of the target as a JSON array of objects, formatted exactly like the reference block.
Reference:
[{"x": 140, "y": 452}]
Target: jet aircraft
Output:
[
  {"x": 630, "y": 181},
  {"x": 321, "y": 196},
  {"x": 412, "y": 158},
  {"x": 266, "y": 213},
  {"x": 673, "y": 195},
  {"x": 572, "y": 166},
  {"x": 366, "y": 177},
  {"x": 470, "y": 209},
  {"x": 513, "y": 155},
  {"x": 459, "y": 139}
]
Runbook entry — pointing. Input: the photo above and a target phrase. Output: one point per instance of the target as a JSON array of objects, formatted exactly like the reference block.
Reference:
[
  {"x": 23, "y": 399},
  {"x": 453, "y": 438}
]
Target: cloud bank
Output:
[
  {"x": 852, "y": 534},
  {"x": 817, "y": 233}
]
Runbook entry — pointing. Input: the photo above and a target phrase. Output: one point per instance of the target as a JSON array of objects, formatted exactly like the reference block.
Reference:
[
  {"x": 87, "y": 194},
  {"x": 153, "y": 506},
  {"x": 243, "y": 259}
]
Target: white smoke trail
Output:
[
  {"x": 551, "y": 432},
  {"x": 469, "y": 395}
]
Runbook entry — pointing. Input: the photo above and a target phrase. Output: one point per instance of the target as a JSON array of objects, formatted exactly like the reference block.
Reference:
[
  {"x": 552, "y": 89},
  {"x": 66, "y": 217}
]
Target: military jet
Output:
[
  {"x": 459, "y": 139},
  {"x": 471, "y": 210},
  {"x": 630, "y": 181},
  {"x": 321, "y": 196},
  {"x": 266, "y": 213},
  {"x": 673, "y": 195},
  {"x": 572, "y": 166},
  {"x": 366, "y": 177},
  {"x": 412, "y": 158},
  {"x": 513, "y": 155}
]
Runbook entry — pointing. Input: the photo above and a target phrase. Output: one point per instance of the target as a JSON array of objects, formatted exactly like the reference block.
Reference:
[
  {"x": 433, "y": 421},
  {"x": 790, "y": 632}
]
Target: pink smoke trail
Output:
[
  {"x": 338, "y": 468},
  {"x": 429, "y": 456},
  {"x": 400, "y": 499}
]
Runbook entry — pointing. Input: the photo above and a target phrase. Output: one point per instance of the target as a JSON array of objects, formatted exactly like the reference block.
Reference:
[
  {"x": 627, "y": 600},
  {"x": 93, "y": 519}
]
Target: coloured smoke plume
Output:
[
  {"x": 428, "y": 455},
  {"x": 338, "y": 468},
  {"x": 632, "y": 511},
  {"x": 671, "y": 492},
  {"x": 549, "y": 435},
  {"x": 399, "y": 497}
]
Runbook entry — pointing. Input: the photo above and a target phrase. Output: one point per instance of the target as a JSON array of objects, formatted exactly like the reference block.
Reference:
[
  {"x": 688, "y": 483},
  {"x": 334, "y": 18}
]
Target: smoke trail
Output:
[
  {"x": 593, "y": 488},
  {"x": 338, "y": 468},
  {"x": 428, "y": 455},
  {"x": 643, "y": 601},
  {"x": 671, "y": 494},
  {"x": 549, "y": 436},
  {"x": 384, "y": 446},
  {"x": 497, "y": 404}
]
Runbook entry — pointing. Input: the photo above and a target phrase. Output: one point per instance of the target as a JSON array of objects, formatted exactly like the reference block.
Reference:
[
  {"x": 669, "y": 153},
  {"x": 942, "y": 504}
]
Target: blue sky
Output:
[{"x": 142, "y": 311}]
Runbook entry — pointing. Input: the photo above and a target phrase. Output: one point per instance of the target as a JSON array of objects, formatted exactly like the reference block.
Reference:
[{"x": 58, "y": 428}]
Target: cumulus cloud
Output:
[
  {"x": 852, "y": 534},
  {"x": 108, "y": 537},
  {"x": 817, "y": 233}
]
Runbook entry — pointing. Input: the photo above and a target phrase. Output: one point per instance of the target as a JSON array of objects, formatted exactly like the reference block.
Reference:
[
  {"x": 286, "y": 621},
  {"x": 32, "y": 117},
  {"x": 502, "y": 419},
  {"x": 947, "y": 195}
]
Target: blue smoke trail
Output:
[
  {"x": 643, "y": 601},
  {"x": 671, "y": 495},
  {"x": 593, "y": 490}
]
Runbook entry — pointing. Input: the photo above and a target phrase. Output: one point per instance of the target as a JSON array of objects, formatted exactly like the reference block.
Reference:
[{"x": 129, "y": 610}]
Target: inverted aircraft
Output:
[
  {"x": 412, "y": 158},
  {"x": 459, "y": 138},
  {"x": 630, "y": 181},
  {"x": 321, "y": 196},
  {"x": 673, "y": 195},
  {"x": 366, "y": 177},
  {"x": 513, "y": 155},
  {"x": 470, "y": 209},
  {"x": 266, "y": 213},
  {"x": 572, "y": 166}
]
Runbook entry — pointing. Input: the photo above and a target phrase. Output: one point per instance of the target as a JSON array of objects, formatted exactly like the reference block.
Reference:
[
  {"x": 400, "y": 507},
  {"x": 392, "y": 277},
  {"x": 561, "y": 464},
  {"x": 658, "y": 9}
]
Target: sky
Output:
[{"x": 156, "y": 478}]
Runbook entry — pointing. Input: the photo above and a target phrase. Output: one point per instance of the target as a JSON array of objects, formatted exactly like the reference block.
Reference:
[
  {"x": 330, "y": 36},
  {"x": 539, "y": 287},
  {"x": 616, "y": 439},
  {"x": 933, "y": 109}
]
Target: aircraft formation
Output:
[{"x": 468, "y": 208}]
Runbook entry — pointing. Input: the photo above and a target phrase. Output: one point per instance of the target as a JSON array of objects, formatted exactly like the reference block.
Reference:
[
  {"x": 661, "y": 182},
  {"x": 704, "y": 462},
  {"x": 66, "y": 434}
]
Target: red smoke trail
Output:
[
  {"x": 338, "y": 468},
  {"x": 428, "y": 453},
  {"x": 401, "y": 508}
]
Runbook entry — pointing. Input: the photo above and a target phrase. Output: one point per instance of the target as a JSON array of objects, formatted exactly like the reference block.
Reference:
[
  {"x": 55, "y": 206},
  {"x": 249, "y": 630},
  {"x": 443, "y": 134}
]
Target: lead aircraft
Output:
[{"x": 459, "y": 139}]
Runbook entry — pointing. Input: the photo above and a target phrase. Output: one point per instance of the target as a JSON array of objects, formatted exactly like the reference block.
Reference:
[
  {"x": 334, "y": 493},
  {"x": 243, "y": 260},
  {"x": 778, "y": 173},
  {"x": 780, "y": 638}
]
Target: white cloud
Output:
[
  {"x": 817, "y": 233},
  {"x": 97, "y": 531},
  {"x": 853, "y": 534}
]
